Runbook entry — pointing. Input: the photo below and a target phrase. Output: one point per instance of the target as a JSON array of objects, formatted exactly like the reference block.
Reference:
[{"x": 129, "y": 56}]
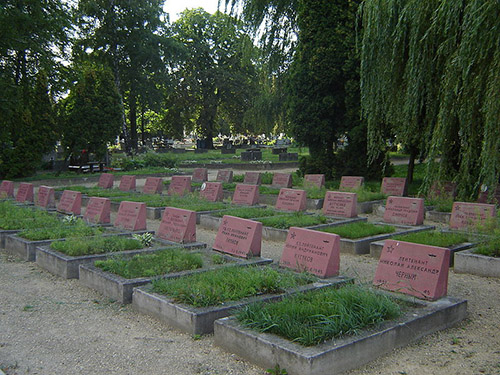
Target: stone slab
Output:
[
  {"x": 200, "y": 175},
  {"x": 396, "y": 186},
  {"x": 443, "y": 188},
  {"x": 407, "y": 211},
  {"x": 22, "y": 248},
  {"x": 282, "y": 180},
  {"x": 70, "y": 203},
  {"x": 483, "y": 196},
  {"x": 180, "y": 185},
  {"x": 340, "y": 204},
  {"x": 127, "y": 183},
  {"x": 178, "y": 225},
  {"x": 6, "y": 189},
  {"x": 212, "y": 191},
  {"x": 239, "y": 237},
  {"x": 131, "y": 216},
  {"x": 98, "y": 211},
  {"x": 314, "y": 180},
  {"x": 224, "y": 176},
  {"x": 291, "y": 200},
  {"x": 467, "y": 215},
  {"x": 153, "y": 185},
  {"x": 252, "y": 178},
  {"x": 25, "y": 193},
  {"x": 475, "y": 264},
  {"x": 311, "y": 251},
  {"x": 46, "y": 197},
  {"x": 340, "y": 355},
  {"x": 348, "y": 183},
  {"x": 4, "y": 233},
  {"x": 106, "y": 181},
  {"x": 413, "y": 269},
  {"x": 246, "y": 195}
]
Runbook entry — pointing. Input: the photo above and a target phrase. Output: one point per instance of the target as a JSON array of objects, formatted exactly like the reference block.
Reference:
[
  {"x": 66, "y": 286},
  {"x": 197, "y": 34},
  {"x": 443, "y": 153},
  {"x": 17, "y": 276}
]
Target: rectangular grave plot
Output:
[
  {"x": 467, "y": 261},
  {"x": 22, "y": 248}
]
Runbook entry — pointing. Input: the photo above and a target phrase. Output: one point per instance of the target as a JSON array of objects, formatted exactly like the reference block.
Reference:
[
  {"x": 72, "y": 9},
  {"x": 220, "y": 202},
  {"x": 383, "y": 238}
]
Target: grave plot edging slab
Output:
[{"x": 475, "y": 264}]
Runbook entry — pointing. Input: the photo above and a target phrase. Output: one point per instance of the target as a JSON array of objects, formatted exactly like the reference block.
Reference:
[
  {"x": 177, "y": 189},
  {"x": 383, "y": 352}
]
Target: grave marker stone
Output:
[
  {"x": 46, "y": 197},
  {"x": 70, "y": 202},
  {"x": 341, "y": 204},
  {"x": 153, "y": 185},
  {"x": 98, "y": 211},
  {"x": 240, "y": 237},
  {"x": 465, "y": 215},
  {"x": 348, "y": 183},
  {"x": 7, "y": 189},
  {"x": 106, "y": 181},
  {"x": 312, "y": 251},
  {"x": 127, "y": 183},
  {"x": 394, "y": 186},
  {"x": 291, "y": 200},
  {"x": 200, "y": 175},
  {"x": 252, "y": 178},
  {"x": 247, "y": 195},
  {"x": 282, "y": 180},
  {"x": 314, "y": 180},
  {"x": 444, "y": 189},
  {"x": 224, "y": 176},
  {"x": 131, "y": 216},
  {"x": 25, "y": 193},
  {"x": 180, "y": 185},
  {"x": 212, "y": 191},
  {"x": 414, "y": 269},
  {"x": 483, "y": 195},
  {"x": 407, "y": 211},
  {"x": 178, "y": 225}
]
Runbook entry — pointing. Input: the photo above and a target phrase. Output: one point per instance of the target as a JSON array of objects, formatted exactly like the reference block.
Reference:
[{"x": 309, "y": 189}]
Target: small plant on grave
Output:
[
  {"x": 146, "y": 238},
  {"x": 277, "y": 370},
  {"x": 359, "y": 230},
  {"x": 70, "y": 219},
  {"x": 218, "y": 259},
  {"x": 435, "y": 238}
]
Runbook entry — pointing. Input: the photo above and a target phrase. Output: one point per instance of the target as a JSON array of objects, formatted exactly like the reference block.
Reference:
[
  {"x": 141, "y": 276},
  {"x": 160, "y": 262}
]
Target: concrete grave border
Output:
[{"x": 476, "y": 264}]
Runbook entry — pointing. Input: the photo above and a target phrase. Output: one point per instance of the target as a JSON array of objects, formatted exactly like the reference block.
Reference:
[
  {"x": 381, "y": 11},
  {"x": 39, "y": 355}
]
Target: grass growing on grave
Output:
[
  {"x": 98, "y": 192},
  {"x": 359, "y": 230},
  {"x": 440, "y": 203},
  {"x": 216, "y": 287},
  {"x": 60, "y": 230},
  {"x": 150, "y": 265},
  {"x": 191, "y": 201},
  {"x": 15, "y": 217},
  {"x": 312, "y": 318},
  {"x": 490, "y": 248},
  {"x": 95, "y": 245},
  {"x": 434, "y": 238},
  {"x": 297, "y": 219},
  {"x": 268, "y": 190},
  {"x": 248, "y": 212}
]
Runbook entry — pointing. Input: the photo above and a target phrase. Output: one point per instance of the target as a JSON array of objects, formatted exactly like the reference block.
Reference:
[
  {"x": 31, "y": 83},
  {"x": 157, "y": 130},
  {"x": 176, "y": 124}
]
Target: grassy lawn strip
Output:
[
  {"x": 441, "y": 204},
  {"x": 248, "y": 212},
  {"x": 359, "y": 230},
  {"x": 434, "y": 238},
  {"x": 188, "y": 202},
  {"x": 490, "y": 248},
  {"x": 293, "y": 220},
  {"x": 95, "y": 245},
  {"x": 60, "y": 230},
  {"x": 314, "y": 317},
  {"x": 98, "y": 192},
  {"x": 16, "y": 217},
  {"x": 149, "y": 265},
  {"x": 229, "y": 284}
]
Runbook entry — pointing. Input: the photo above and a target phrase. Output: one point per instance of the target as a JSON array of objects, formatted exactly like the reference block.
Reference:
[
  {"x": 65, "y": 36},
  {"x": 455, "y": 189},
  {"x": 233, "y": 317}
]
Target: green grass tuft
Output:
[
  {"x": 248, "y": 212},
  {"x": 60, "y": 230},
  {"x": 434, "y": 238},
  {"x": 293, "y": 220},
  {"x": 359, "y": 230},
  {"x": 95, "y": 245}
]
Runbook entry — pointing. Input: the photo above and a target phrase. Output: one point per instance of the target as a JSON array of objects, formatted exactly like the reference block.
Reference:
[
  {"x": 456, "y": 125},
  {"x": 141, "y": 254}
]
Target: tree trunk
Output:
[
  {"x": 411, "y": 165},
  {"x": 143, "y": 123},
  {"x": 133, "y": 120}
]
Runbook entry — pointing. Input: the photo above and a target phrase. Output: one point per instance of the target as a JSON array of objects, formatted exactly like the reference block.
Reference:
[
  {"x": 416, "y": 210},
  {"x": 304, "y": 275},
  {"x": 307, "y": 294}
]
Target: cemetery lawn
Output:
[
  {"x": 248, "y": 212},
  {"x": 491, "y": 248},
  {"x": 95, "y": 245},
  {"x": 190, "y": 201},
  {"x": 216, "y": 287},
  {"x": 441, "y": 204},
  {"x": 314, "y": 317},
  {"x": 60, "y": 230},
  {"x": 359, "y": 230},
  {"x": 98, "y": 192},
  {"x": 149, "y": 265},
  {"x": 297, "y": 219},
  {"x": 14, "y": 217},
  {"x": 434, "y": 238}
]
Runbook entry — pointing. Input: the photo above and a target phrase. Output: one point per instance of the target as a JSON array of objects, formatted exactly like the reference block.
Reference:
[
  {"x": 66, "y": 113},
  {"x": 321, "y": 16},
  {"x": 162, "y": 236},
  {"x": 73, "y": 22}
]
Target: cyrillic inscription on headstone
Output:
[
  {"x": 314, "y": 180},
  {"x": 247, "y": 195},
  {"x": 349, "y": 183},
  {"x": 291, "y": 200},
  {"x": 106, "y": 181},
  {"x": 407, "y": 211},
  {"x": 394, "y": 186},
  {"x": 153, "y": 185},
  {"x": 240, "y": 237},
  {"x": 25, "y": 193},
  {"x": 212, "y": 191},
  {"x": 46, "y": 197},
  {"x": 178, "y": 225},
  {"x": 98, "y": 211},
  {"x": 70, "y": 202},
  {"x": 127, "y": 183},
  {"x": 340, "y": 204},
  {"x": 282, "y": 180},
  {"x": 180, "y": 185},
  {"x": 200, "y": 175},
  {"x": 467, "y": 215},
  {"x": 131, "y": 216},
  {"x": 252, "y": 178},
  {"x": 224, "y": 176}
]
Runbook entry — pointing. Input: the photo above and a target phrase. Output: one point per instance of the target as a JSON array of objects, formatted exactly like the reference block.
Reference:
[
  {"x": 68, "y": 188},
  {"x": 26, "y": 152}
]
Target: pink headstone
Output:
[
  {"x": 394, "y": 186},
  {"x": 70, "y": 202},
  {"x": 224, "y": 176},
  {"x": 252, "y": 178},
  {"x": 315, "y": 180},
  {"x": 443, "y": 188},
  {"x": 127, "y": 183},
  {"x": 407, "y": 211},
  {"x": 98, "y": 211},
  {"x": 212, "y": 191},
  {"x": 7, "y": 189},
  {"x": 483, "y": 195},
  {"x": 200, "y": 175},
  {"x": 153, "y": 185},
  {"x": 46, "y": 197},
  {"x": 414, "y": 269},
  {"x": 180, "y": 185},
  {"x": 240, "y": 237},
  {"x": 291, "y": 200},
  {"x": 465, "y": 215},
  {"x": 351, "y": 183},
  {"x": 178, "y": 225},
  {"x": 282, "y": 180},
  {"x": 106, "y": 181},
  {"x": 247, "y": 195},
  {"x": 341, "y": 204},
  {"x": 131, "y": 216},
  {"x": 25, "y": 193},
  {"x": 312, "y": 251}
]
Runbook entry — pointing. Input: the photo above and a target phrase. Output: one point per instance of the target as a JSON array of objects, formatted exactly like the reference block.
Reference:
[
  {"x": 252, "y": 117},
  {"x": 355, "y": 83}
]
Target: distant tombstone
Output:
[
  {"x": 178, "y": 225},
  {"x": 394, "y": 186},
  {"x": 314, "y": 180},
  {"x": 7, "y": 189},
  {"x": 25, "y": 193},
  {"x": 240, "y": 237},
  {"x": 179, "y": 185},
  {"x": 252, "y": 178},
  {"x": 46, "y": 197},
  {"x": 484, "y": 195},
  {"x": 212, "y": 191},
  {"x": 467, "y": 215},
  {"x": 351, "y": 183},
  {"x": 200, "y": 175},
  {"x": 127, "y": 183},
  {"x": 106, "y": 181},
  {"x": 414, "y": 269},
  {"x": 340, "y": 204},
  {"x": 282, "y": 180},
  {"x": 131, "y": 216},
  {"x": 406, "y": 211},
  {"x": 98, "y": 211},
  {"x": 153, "y": 185},
  {"x": 312, "y": 251},
  {"x": 291, "y": 200},
  {"x": 224, "y": 176},
  {"x": 247, "y": 195},
  {"x": 70, "y": 202},
  {"x": 251, "y": 155},
  {"x": 443, "y": 189}
]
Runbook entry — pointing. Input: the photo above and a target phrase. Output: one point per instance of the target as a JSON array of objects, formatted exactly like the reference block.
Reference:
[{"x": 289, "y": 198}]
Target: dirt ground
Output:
[{"x": 53, "y": 326}]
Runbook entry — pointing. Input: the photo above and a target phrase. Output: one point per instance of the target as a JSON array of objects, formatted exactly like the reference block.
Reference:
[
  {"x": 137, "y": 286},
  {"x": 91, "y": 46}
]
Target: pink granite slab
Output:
[
  {"x": 127, "y": 183},
  {"x": 153, "y": 185},
  {"x": 224, "y": 176},
  {"x": 340, "y": 204},
  {"x": 70, "y": 202},
  {"x": 314, "y": 180},
  {"x": 252, "y": 178},
  {"x": 200, "y": 175},
  {"x": 247, "y": 195},
  {"x": 178, "y": 225},
  {"x": 282, "y": 180},
  {"x": 180, "y": 185},
  {"x": 291, "y": 200},
  {"x": 7, "y": 189},
  {"x": 212, "y": 191},
  {"x": 394, "y": 186},
  {"x": 98, "y": 211},
  {"x": 46, "y": 197},
  {"x": 25, "y": 193},
  {"x": 106, "y": 181},
  {"x": 348, "y": 183},
  {"x": 240, "y": 237},
  {"x": 467, "y": 215},
  {"x": 407, "y": 211},
  {"x": 131, "y": 216}
]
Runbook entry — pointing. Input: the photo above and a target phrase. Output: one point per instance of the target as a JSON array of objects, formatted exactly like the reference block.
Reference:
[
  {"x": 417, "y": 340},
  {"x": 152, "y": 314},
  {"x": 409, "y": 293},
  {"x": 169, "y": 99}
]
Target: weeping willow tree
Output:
[{"x": 430, "y": 75}]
